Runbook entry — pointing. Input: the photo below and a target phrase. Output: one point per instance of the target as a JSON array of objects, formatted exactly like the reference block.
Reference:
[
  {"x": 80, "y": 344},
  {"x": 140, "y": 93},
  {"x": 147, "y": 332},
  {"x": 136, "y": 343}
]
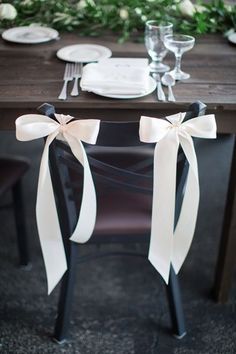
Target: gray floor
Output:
[{"x": 120, "y": 305}]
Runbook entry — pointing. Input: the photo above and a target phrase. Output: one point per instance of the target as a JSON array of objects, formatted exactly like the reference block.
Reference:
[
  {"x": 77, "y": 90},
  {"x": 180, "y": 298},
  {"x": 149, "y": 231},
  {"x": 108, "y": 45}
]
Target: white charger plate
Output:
[
  {"x": 83, "y": 53},
  {"x": 30, "y": 34},
  {"x": 151, "y": 87},
  {"x": 232, "y": 37}
]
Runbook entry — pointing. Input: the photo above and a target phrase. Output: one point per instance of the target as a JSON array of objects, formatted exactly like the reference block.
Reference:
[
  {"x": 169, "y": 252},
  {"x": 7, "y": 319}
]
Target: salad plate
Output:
[{"x": 83, "y": 53}]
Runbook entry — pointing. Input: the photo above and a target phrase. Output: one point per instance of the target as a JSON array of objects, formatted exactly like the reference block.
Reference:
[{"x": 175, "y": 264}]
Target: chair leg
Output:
[
  {"x": 19, "y": 213},
  {"x": 66, "y": 297},
  {"x": 175, "y": 305}
]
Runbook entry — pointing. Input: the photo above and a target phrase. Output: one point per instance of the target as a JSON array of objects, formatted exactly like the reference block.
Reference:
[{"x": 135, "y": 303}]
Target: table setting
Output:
[
  {"x": 92, "y": 67},
  {"x": 127, "y": 78}
]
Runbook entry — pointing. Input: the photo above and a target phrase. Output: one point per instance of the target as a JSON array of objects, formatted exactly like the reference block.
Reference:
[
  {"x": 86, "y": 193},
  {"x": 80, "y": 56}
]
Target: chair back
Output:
[{"x": 118, "y": 161}]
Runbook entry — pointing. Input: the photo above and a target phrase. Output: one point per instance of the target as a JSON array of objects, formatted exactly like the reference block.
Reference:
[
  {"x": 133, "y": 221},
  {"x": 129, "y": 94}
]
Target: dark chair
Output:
[
  {"x": 122, "y": 170},
  {"x": 12, "y": 170}
]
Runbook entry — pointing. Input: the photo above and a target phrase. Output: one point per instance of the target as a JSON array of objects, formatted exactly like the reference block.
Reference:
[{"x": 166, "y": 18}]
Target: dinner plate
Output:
[
  {"x": 83, "y": 53},
  {"x": 151, "y": 87},
  {"x": 30, "y": 34},
  {"x": 232, "y": 37}
]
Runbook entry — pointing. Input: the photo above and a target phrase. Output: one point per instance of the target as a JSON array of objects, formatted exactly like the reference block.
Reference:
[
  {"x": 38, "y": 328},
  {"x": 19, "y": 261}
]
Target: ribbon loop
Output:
[
  {"x": 168, "y": 245},
  {"x": 34, "y": 126}
]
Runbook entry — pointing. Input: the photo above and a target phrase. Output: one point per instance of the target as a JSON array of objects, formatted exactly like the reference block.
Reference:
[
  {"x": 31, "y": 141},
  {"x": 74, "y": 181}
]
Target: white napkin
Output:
[{"x": 116, "y": 76}]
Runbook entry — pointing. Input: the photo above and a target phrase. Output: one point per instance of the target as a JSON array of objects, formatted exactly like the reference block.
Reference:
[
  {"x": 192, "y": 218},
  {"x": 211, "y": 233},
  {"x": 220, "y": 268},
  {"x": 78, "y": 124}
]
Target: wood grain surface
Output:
[{"x": 32, "y": 74}]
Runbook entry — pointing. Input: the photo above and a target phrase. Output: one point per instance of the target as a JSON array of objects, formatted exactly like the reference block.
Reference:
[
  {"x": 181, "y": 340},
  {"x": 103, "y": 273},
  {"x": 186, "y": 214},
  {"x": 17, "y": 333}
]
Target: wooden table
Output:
[{"x": 32, "y": 74}]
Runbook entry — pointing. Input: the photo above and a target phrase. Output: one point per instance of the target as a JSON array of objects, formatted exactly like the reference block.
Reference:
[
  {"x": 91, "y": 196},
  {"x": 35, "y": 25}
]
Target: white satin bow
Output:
[
  {"x": 34, "y": 126},
  {"x": 169, "y": 246}
]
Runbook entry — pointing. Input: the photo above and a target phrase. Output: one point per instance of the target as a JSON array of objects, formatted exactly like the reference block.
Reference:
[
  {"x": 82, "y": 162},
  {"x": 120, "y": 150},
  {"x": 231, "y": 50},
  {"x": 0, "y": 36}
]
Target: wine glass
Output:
[
  {"x": 154, "y": 35},
  {"x": 178, "y": 44}
]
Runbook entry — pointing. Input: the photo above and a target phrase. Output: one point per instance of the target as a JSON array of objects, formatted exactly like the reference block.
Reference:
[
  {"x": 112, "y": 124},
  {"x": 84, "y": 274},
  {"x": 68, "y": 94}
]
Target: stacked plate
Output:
[{"x": 123, "y": 78}]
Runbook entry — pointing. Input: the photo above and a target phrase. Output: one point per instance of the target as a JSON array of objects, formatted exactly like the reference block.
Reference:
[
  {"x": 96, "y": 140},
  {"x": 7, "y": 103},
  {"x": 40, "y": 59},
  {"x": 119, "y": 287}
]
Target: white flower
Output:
[
  {"x": 81, "y": 5},
  {"x": 186, "y": 8},
  {"x": 138, "y": 11},
  {"x": 7, "y": 12},
  {"x": 229, "y": 7},
  {"x": 144, "y": 18},
  {"x": 124, "y": 14}
]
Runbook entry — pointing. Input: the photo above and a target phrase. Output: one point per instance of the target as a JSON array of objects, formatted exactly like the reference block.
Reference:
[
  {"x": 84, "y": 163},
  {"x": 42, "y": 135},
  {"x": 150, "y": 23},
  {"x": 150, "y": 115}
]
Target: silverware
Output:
[
  {"x": 168, "y": 80},
  {"x": 68, "y": 76},
  {"x": 160, "y": 93},
  {"x": 77, "y": 75}
]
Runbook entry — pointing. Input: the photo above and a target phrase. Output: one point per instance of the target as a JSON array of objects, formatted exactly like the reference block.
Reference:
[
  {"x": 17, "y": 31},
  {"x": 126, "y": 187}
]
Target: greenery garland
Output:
[{"x": 124, "y": 17}]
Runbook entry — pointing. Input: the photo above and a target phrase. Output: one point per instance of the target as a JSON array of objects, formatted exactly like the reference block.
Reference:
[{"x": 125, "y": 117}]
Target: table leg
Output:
[{"x": 227, "y": 249}]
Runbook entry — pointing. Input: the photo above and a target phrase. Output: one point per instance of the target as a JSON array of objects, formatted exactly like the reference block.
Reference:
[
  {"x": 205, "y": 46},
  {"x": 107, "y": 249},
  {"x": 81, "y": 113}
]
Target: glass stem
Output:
[
  {"x": 178, "y": 63},
  {"x": 157, "y": 61}
]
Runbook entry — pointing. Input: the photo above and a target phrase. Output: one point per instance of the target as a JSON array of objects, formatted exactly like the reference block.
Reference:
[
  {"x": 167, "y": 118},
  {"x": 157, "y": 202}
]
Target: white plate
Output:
[
  {"x": 232, "y": 37},
  {"x": 83, "y": 53},
  {"x": 30, "y": 34},
  {"x": 151, "y": 87}
]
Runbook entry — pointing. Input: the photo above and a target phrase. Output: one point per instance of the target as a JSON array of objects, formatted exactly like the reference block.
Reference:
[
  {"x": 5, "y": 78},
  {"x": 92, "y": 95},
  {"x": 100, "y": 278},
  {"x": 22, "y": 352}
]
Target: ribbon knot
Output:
[
  {"x": 63, "y": 119},
  {"x": 169, "y": 244},
  {"x": 63, "y": 128},
  {"x": 176, "y": 119},
  {"x": 175, "y": 125},
  {"x": 34, "y": 126}
]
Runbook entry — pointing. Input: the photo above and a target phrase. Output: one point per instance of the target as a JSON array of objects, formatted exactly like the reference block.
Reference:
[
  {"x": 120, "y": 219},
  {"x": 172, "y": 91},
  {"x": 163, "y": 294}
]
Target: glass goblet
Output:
[
  {"x": 154, "y": 36},
  {"x": 178, "y": 44}
]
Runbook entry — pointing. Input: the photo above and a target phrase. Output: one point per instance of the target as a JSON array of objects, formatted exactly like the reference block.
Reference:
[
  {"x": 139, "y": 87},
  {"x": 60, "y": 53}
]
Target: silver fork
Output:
[
  {"x": 77, "y": 75},
  {"x": 68, "y": 76}
]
